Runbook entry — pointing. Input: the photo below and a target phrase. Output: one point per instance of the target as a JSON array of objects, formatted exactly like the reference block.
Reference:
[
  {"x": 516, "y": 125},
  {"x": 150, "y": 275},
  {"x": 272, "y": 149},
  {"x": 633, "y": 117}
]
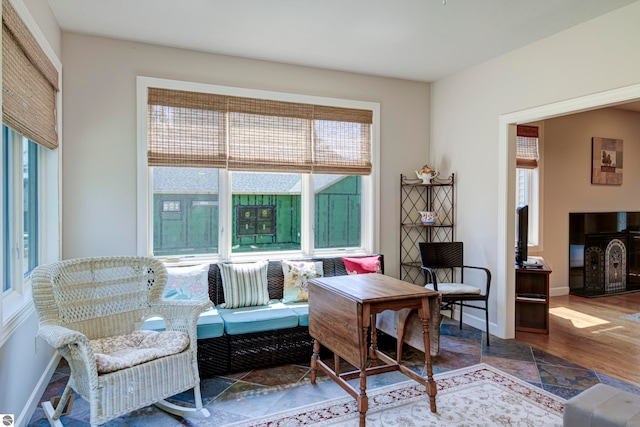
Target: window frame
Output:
[
  {"x": 370, "y": 183},
  {"x": 534, "y": 199},
  {"x": 17, "y": 305}
]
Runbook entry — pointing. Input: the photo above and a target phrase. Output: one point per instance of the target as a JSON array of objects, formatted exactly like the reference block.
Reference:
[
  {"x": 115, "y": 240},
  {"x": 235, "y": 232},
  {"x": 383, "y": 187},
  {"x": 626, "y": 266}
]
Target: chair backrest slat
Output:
[{"x": 441, "y": 254}]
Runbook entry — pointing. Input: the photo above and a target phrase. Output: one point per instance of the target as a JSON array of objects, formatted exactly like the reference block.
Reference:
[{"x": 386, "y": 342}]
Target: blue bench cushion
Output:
[
  {"x": 302, "y": 310},
  {"x": 245, "y": 320},
  {"x": 210, "y": 324}
]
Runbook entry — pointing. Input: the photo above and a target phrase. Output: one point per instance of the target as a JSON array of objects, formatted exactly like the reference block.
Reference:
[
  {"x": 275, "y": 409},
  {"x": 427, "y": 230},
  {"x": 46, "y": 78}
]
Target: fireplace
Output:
[{"x": 604, "y": 253}]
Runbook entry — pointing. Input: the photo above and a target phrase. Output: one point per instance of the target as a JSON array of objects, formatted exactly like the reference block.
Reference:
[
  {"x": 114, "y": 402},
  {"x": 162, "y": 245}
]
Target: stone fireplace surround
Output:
[{"x": 604, "y": 253}]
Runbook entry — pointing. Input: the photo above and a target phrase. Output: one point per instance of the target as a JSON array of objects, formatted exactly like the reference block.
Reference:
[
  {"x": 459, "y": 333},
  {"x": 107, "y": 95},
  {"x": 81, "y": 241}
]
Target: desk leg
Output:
[
  {"x": 374, "y": 342},
  {"x": 314, "y": 360},
  {"x": 363, "y": 400},
  {"x": 431, "y": 387}
]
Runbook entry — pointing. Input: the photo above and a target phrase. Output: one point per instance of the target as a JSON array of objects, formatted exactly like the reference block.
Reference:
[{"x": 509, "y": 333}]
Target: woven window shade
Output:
[
  {"x": 186, "y": 129},
  {"x": 29, "y": 82},
  {"x": 527, "y": 147},
  {"x": 246, "y": 134},
  {"x": 342, "y": 141},
  {"x": 269, "y": 135}
]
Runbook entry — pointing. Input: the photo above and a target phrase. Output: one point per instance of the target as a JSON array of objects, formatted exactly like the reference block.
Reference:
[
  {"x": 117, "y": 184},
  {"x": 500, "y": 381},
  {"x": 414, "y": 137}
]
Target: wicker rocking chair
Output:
[{"x": 82, "y": 302}]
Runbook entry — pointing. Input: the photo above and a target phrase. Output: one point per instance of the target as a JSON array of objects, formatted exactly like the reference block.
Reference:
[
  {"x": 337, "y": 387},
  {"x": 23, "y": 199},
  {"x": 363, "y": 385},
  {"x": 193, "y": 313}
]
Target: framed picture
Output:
[{"x": 606, "y": 161}]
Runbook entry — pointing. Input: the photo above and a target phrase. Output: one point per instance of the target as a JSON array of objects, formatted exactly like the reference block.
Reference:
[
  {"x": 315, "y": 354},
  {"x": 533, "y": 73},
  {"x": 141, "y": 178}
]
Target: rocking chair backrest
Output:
[{"x": 99, "y": 297}]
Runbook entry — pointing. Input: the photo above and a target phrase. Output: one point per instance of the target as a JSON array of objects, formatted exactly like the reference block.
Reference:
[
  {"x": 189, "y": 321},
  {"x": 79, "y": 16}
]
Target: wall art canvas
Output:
[{"x": 606, "y": 161}]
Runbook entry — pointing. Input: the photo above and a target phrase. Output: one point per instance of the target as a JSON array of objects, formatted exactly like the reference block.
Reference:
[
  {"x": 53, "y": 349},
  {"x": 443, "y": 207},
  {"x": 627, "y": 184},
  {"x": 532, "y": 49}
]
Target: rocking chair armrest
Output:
[
  {"x": 181, "y": 308},
  {"x": 59, "y": 336},
  {"x": 180, "y": 315}
]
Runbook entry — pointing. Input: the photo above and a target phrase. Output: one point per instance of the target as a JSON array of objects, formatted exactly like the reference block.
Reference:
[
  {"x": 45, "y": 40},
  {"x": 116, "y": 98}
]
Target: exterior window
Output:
[
  {"x": 268, "y": 211},
  {"x": 20, "y": 221},
  {"x": 232, "y": 172},
  {"x": 185, "y": 211},
  {"x": 255, "y": 221},
  {"x": 527, "y": 178},
  {"x": 337, "y": 209}
]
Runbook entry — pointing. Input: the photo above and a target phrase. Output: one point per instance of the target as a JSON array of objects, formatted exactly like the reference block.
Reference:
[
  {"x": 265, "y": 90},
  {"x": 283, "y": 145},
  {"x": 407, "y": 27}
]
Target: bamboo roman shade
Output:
[
  {"x": 29, "y": 82},
  {"x": 186, "y": 129},
  {"x": 246, "y": 134},
  {"x": 527, "y": 147}
]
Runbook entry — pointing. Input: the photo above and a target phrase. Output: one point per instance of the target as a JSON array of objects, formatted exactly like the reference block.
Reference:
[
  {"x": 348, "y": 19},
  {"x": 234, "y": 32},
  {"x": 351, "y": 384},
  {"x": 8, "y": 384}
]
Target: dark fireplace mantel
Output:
[{"x": 604, "y": 253}]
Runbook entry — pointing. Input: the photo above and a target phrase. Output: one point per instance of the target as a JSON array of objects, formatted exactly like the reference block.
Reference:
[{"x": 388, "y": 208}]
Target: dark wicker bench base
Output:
[
  {"x": 260, "y": 349},
  {"x": 213, "y": 356},
  {"x": 233, "y": 353}
]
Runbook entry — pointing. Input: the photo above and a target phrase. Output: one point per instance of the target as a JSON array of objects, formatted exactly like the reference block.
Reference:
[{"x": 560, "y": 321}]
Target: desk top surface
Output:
[{"x": 373, "y": 287}]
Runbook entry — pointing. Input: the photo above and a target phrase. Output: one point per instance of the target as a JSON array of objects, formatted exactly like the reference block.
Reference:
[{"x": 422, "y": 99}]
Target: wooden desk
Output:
[
  {"x": 341, "y": 311},
  {"x": 532, "y": 298}
]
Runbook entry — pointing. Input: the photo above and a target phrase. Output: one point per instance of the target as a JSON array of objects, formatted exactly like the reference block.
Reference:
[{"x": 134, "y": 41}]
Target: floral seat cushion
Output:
[{"x": 125, "y": 351}]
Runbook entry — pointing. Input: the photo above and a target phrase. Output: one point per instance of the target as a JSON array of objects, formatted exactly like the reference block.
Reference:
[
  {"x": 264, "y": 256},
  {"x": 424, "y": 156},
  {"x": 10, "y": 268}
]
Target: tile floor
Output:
[{"x": 246, "y": 395}]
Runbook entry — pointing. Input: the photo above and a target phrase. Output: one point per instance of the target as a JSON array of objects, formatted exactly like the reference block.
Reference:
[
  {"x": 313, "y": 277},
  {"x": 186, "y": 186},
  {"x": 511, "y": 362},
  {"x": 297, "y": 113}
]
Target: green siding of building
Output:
[{"x": 187, "y": 224}]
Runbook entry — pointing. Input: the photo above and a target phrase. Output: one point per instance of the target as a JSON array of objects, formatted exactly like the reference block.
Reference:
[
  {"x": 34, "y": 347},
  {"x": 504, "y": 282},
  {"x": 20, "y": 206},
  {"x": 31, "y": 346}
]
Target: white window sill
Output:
[{"x": 16, "y": 307}]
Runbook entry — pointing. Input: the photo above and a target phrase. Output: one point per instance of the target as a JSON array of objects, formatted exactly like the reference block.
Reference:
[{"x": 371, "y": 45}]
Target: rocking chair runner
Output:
[{"x": 82, "y": 300}]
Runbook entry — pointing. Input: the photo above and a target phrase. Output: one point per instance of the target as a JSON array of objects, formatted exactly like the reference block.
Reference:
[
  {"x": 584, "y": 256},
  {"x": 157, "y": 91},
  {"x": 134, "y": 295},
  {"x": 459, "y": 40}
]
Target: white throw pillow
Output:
[
  {"x": 296, "y": 278},
  {"x": 187, "y": 283},
  {"x": 245, "y": 285}
]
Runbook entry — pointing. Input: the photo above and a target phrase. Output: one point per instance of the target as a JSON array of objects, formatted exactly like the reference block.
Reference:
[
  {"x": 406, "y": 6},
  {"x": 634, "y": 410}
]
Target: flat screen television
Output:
[{"x": 522, "y": 234}]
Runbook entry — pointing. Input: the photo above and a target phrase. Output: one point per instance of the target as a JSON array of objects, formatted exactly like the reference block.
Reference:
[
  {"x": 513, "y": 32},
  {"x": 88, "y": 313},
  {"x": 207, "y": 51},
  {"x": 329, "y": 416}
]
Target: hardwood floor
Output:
[{"x": 592, "y": 333}]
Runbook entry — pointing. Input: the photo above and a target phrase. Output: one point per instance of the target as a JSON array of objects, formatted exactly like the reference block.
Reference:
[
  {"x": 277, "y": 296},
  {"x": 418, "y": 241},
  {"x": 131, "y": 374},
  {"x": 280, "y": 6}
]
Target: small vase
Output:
[{"x": 426, "y": 178}]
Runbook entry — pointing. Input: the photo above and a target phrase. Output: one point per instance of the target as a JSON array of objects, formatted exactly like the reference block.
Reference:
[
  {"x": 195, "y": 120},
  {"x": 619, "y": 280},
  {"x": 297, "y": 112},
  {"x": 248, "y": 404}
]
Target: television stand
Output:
[
  {"x": 532, "y": 296},
  {"x": 531, "y": 263}
]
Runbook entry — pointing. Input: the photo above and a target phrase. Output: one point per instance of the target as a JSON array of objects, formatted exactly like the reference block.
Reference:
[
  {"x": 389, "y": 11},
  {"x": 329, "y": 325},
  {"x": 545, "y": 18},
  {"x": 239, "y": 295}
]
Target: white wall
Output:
[
  {"x": 567, "y": 164},
  {"x": 25, "y": 361},
  {"x": 99, "y": 170},
  {"x": 99, "y": 135},
  {"x": 600, "y": 55}
]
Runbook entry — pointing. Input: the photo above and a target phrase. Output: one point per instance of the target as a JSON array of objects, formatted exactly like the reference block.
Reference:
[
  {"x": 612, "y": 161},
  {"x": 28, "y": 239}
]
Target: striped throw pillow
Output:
[{"x": 244, "y": 285}]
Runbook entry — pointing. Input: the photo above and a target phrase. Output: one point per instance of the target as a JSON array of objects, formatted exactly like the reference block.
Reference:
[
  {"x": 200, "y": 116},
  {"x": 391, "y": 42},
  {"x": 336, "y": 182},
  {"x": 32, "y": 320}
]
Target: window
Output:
[
  {"x": 185, "y": 211},
  {"x": 337, "y": 203},
  {"x": 20, "y": 208},
  {"x": 267, "y": 211},
  {"x": 255, "y": 220},
  {"x": 29, "y": 174},
  {"x": 263, "y": 172},
  {"x": 528, "y": 177}
]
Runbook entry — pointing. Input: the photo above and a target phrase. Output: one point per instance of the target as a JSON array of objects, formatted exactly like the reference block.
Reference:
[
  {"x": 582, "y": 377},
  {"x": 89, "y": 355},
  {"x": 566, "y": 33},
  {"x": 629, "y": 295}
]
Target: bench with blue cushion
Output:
[{"x": 237, "y": 339}]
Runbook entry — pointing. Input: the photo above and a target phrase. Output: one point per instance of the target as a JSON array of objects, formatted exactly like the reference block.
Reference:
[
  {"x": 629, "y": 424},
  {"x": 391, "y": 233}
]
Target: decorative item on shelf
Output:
[
  {"x": 428, "y": 217},
  {"x": 426, "y": 174}
]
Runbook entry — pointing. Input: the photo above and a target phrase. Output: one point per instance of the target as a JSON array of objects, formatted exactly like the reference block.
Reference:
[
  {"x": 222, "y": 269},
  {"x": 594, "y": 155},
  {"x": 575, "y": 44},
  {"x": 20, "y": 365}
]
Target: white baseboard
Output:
[
  {"x": 477, "y": 322},
  {"x": 26, "y": 414},
  {"x": 556, "y": 292}
]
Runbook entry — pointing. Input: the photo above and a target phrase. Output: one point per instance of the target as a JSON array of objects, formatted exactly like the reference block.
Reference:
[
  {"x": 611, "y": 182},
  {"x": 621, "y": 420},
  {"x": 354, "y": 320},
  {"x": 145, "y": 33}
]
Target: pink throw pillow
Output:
[{"x": 362, "y": 265}]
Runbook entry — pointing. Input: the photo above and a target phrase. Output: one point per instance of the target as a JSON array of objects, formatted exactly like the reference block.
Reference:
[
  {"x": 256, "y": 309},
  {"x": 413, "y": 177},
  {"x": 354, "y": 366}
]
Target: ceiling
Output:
[{"x": 422, "y": 40}]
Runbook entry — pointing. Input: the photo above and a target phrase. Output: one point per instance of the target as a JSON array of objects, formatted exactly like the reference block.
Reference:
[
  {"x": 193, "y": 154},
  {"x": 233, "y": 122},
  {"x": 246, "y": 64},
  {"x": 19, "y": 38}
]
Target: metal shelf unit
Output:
[{"x": 415, "y": 197}]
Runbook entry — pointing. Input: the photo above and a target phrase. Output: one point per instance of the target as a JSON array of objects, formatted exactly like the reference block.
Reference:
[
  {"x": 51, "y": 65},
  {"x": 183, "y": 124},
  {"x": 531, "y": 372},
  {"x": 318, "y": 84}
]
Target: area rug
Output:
[
  {"x": 479, "y": 395},
  {"x": 635, "y": 317}
]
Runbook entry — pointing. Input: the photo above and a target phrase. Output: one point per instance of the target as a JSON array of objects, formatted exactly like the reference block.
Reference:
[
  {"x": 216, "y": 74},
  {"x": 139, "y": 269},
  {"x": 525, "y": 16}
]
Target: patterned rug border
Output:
[{"x": 327, "y": 411}]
